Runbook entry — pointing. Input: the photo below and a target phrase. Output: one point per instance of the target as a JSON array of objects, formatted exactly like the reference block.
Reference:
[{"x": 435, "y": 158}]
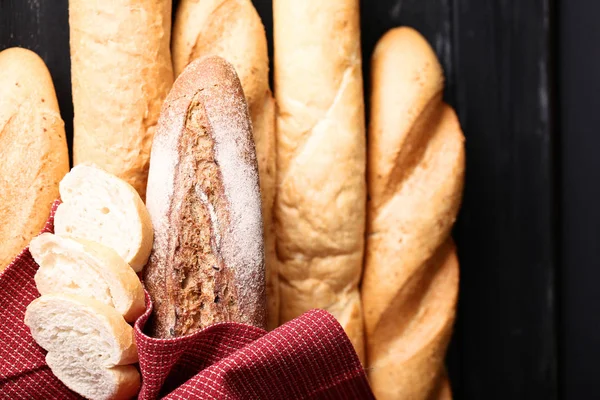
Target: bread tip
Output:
[{"x": 20, "y": 52}]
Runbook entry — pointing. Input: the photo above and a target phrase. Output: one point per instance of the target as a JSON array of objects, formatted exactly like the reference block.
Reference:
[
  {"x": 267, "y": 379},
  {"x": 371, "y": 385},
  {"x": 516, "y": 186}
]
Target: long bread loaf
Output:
[
  {"x": 233, "y": 30},
  {"x": 207, "y": 262},
  {"x": 415, "y": 178},
  {"x": 121, "y": 72},
  {"x": 321, "y": 159},
  {"x": 33, "y": 149}
]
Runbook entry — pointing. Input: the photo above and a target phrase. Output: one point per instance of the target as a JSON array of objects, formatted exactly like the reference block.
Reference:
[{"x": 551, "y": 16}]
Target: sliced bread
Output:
[
  {"x": 85, "y": 268},
  {"x": 100, "y": 207},
  {"x": 121, "y": 382},
  {"x": 82, "y": 327}
]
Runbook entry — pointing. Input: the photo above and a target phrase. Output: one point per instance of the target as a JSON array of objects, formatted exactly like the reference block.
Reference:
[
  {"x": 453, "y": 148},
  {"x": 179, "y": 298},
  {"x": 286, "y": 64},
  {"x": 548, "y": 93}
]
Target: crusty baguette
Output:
[
  {"x": 100, "y": 207},
  {"x": 321, "y": 159},
  {"x": 415, "y": 178},
  {"x": 121, "y": 72},
  {"x": 78, "y": 266},
  {"x": 233, "y": 30},
  {"x": 90, "y": 346},
  {"x": 207, "y": 263},
  {"x": 33, "y": 149}
]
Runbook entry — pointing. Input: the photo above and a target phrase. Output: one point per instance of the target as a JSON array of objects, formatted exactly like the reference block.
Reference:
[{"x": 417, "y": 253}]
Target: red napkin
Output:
[{"x": 309, "y": 357}]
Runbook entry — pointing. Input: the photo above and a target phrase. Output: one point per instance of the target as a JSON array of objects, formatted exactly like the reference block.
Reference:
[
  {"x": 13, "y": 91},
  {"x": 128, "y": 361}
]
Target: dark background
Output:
[{"x": 523, "y": 76}]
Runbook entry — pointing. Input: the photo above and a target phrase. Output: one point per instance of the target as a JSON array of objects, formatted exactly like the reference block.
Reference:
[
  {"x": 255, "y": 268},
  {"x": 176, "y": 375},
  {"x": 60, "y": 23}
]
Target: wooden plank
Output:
[
  {"x": 579, "y": 87},
  {"x": 42, "y": 26},
  {"x": 506, "y": 231}
]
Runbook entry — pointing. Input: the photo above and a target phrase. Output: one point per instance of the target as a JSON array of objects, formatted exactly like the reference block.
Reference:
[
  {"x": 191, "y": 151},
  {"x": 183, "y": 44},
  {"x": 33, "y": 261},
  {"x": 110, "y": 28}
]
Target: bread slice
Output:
[
  {"x": 100, "y": 207},
  {"x": 121, "y": 382},
  {"x": 82, "y": 327},
  {"x": 82, "y": 267}
]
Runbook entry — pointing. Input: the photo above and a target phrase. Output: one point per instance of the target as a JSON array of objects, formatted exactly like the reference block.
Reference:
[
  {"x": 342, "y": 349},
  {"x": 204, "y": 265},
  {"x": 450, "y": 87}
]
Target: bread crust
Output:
[
  {"x": 33, "y": 149},
  {"x": 415, "y": 177},
  {"x": 121, "y": 72},
  {"x": 207, "y": 262},
  {"x": 233, "y": 30},
  {"x": 321, "y": 159}
]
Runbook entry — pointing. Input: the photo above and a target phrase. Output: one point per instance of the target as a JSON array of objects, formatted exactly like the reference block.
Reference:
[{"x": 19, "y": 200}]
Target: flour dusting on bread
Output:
[{"x": 207, "y": 264}]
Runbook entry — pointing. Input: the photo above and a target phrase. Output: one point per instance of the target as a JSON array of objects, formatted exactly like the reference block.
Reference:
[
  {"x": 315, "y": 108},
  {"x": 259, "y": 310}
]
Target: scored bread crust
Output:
[
  {"x": 207, "y": 262},
  {"x": 321, "y": 160},
  {"x": 70, "y": 265},
  {"x": 415, "y": 177},
  {"x": 232, "y": 29},
  {"x": 121, "y": 71},
  {"x": 33, "y": 149}
]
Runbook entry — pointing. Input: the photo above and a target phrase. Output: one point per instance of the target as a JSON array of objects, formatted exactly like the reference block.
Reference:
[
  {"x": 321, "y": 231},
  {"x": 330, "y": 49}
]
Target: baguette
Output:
[
  {"x": 121, "y": 72},
  {"x": 33, "y": 149},
  {"x": 320, "y": 202},
  {"x": 234, "y": 31},
  {"x": 207, "y": 262},
  {"x": 415, "y": 179}
]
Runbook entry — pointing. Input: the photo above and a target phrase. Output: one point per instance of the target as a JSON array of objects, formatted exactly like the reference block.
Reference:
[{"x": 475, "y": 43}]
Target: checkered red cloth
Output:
[{"x": 309, "y": 357}]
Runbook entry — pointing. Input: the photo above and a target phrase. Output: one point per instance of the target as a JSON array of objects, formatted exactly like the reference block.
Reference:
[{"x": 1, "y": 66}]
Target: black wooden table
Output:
[{"x": 522, "y": 75}]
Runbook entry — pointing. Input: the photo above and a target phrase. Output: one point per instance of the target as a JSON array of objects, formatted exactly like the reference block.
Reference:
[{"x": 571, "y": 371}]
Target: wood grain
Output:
[
  {"x": 506, "y": 234},
  {"x": 579, "y": 85}
]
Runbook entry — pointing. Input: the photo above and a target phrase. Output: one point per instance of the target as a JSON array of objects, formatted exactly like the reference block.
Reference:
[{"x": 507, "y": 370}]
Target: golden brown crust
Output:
[
  {"x": 415, "y": 177},
  {"x": 321, "y": 151},
  {"x": 207, "y": 262},
  {"x": 121, "y": 72},
  {"x": 233, "y": 30},
  {"x": 33, "y": 148},
  {"x": 443, "y": 390}
]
